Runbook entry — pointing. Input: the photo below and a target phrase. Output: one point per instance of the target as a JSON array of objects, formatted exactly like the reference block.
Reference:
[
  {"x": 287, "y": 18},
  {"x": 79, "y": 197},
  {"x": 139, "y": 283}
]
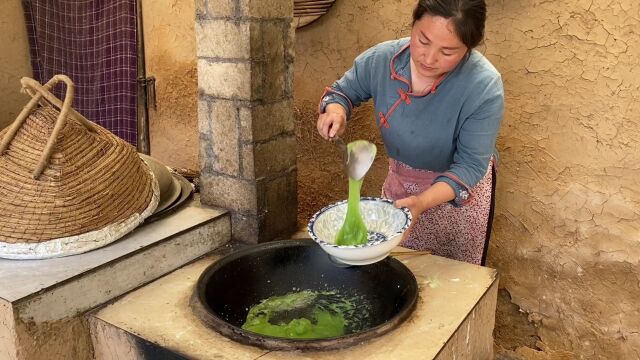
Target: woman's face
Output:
[{"x": 435, "y": 47}]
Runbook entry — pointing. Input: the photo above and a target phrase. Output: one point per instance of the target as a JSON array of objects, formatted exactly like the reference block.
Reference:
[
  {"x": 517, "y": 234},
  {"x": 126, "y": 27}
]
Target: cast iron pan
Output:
[{"x": 229, "y": 287}]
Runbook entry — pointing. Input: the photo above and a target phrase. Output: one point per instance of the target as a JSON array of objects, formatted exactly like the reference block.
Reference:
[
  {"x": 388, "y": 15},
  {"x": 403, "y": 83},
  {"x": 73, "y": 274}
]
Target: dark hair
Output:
[{"x": 468, "y": 17}]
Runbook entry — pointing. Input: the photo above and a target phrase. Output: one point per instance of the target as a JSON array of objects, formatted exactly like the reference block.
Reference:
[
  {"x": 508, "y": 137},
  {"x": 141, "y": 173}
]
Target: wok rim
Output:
[{"x": 200, "y": 307}]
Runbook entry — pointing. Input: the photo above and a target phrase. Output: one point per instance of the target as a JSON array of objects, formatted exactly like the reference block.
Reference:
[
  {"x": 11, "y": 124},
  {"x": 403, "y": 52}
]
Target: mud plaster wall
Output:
[
  {"x": 7, "y": 331},
  {"x": 170, "y": 57},
  {"x": 14, "y": 60},
  {"x": 566, "y": 232},
  {"x": 54, "y": 339},
  {"x": 26, "y": 339},
  {"x": 170, "y": 49}
]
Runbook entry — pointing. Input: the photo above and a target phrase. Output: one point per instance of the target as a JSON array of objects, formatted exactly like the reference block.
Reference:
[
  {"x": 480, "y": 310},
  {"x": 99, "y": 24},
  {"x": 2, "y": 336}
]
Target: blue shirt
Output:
[{"x": 452, "y": 129}]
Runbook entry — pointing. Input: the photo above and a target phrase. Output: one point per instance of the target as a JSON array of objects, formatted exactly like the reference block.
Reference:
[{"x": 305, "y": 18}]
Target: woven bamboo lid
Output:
[
  {"x": 307, "y": 11},
  {"x": 66, "y": 185}
]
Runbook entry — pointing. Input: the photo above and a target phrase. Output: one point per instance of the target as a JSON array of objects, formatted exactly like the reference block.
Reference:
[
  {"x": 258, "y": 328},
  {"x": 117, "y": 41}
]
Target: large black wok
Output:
[{"x": 229, "y": 287}]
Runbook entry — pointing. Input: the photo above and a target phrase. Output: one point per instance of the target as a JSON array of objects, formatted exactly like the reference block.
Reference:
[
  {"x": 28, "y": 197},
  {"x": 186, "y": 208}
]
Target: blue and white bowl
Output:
[{"x": 385, "y": 224}]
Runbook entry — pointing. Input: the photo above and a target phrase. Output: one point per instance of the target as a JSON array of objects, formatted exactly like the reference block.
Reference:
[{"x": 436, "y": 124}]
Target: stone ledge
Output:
[{"x": 42, "y": 301}]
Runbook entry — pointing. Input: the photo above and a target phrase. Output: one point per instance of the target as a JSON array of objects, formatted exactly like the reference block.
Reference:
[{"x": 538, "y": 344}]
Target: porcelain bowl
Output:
[{"x": 385, "y": 226}]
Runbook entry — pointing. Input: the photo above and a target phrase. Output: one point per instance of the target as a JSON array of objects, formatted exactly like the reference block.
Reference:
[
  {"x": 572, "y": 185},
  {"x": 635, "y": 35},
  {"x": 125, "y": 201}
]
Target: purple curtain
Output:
[{"x": 94, "y": 43}]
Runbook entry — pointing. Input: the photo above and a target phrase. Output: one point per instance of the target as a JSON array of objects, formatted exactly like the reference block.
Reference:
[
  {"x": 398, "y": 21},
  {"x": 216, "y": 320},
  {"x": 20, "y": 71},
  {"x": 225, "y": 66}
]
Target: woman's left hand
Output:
[
  {"x": 415, "y": 205},
  {"x": 437, "y": 194}
]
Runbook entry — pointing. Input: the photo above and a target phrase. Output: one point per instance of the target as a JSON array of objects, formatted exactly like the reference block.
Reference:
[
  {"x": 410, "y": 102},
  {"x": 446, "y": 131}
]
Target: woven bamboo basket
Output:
[
  {"x": 67, "y": 185},
  {"x": 307, "y": 11}
]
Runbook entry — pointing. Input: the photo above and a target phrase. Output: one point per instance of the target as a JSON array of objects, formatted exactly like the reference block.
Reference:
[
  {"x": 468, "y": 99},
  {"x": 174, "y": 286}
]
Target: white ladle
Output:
[{"x": 357, "y": 156}]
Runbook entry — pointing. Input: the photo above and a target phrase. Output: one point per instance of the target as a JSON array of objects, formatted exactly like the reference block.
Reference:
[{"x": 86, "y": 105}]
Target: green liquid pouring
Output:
[{"x": 353, "y": 231}]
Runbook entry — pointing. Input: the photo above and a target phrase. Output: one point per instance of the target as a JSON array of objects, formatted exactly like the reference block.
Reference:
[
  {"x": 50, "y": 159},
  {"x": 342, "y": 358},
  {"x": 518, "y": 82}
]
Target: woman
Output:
[{"x": 439, "y": 105}]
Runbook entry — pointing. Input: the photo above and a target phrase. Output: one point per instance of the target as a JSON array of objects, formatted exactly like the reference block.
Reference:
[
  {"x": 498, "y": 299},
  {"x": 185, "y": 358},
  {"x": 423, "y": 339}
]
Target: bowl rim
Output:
[{"x": 314, "y": 237}]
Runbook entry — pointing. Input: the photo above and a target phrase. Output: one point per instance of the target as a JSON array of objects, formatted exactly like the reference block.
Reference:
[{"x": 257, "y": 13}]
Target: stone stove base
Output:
[
  {"x": 43, "y": 302},
  {"x": 454, "y": 318}
]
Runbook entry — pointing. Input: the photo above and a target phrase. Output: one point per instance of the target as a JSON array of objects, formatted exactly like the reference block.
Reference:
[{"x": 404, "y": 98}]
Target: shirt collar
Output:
[{"x": 400, "y": 69}]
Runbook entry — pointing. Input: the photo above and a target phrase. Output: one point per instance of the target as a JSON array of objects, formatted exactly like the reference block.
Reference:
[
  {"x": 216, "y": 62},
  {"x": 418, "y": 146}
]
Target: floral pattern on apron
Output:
[{"x": 455, "y": 232}]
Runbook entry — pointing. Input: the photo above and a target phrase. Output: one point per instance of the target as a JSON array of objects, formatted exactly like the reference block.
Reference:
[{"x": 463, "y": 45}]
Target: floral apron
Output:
[{"x": 456, "y": 232}]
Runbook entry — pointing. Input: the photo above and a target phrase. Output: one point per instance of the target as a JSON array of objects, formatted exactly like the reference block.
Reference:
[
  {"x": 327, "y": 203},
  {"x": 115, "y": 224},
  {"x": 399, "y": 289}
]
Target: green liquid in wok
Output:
[
  {"x": 353, "y": 231},
  {"x": 306, "y": 315}
]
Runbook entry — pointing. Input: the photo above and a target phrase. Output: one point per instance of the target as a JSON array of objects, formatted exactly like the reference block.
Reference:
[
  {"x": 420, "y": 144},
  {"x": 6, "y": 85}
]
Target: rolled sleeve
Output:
[
  {"x": 332, "y": 98},
  {"x": 462, "y": 193}
]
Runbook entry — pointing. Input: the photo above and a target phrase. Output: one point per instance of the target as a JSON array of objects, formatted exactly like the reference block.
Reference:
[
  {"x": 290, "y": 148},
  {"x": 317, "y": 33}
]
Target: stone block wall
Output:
[{"x": 245, "y": 52}]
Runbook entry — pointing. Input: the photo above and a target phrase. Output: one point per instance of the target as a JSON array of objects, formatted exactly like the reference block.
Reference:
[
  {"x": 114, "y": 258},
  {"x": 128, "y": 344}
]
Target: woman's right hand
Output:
[{"x": 332, "y": 122}]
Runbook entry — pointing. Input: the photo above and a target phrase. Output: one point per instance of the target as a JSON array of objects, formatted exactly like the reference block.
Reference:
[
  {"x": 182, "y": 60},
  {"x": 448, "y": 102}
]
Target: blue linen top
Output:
[{"x": 452, "y": 129}]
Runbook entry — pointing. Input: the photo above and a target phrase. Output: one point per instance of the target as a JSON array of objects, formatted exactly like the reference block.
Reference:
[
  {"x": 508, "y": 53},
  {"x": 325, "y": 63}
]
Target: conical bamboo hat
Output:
[{"x": 66, "y": 185}]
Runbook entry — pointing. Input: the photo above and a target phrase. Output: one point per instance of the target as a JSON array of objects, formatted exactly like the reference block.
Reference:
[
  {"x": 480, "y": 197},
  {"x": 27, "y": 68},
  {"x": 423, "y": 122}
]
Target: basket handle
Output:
[
  {"x": 17, "y": 124},
  {"x": 37, "y": 93},
  {"x": 34, "y": 88}
]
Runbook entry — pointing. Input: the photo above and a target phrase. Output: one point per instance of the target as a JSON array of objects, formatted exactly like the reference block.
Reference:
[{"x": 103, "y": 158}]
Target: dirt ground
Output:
[{"x": 321, "y": 182}]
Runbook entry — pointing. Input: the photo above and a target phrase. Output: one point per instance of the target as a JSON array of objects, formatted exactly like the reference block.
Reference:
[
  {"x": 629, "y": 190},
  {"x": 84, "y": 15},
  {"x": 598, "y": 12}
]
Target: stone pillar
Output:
[{"x": 245, "y": 51}]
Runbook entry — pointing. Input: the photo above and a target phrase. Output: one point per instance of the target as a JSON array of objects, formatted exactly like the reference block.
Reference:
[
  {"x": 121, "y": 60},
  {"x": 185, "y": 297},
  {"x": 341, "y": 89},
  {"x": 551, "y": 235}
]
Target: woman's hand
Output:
[
  {"x": 332, "y": 122},
  {"x": 415, "y": 205},
  {"x": 438, "y": 193}
]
